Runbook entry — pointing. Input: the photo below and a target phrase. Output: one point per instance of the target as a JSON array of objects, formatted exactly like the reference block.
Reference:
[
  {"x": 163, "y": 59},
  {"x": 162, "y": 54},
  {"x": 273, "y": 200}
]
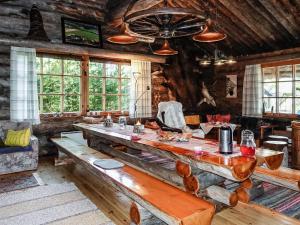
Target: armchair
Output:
[{"x": 17, "y": 159}]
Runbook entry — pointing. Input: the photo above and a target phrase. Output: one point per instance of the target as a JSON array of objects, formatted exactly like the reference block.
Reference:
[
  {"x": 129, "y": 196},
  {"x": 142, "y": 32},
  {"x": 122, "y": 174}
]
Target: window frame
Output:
[
  {"x": 104, "y": 78},
  {"x": 277, "y": 65},
  {"x": 61, "y": 76},
  {"x": 83, "y": 76}
]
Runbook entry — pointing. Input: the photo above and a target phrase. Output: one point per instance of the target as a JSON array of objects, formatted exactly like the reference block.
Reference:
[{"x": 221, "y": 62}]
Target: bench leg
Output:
[{"x": 141, "y": 216}]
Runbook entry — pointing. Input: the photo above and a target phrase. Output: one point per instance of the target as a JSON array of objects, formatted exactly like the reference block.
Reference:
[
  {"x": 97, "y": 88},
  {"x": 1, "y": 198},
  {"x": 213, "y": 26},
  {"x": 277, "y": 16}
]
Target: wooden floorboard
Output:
[{"x": 113, "y": 204}]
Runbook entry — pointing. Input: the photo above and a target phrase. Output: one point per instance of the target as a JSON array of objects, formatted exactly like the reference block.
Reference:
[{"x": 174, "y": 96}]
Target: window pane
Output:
[
  {"x": 285, "y": 89},
  {"x": 269, "y": 104},
  {"x": 112, "y": 102},
  {"x": 112, "y": 86},
  {"x": 297, "y": 72},
  {"x": 51, "y": 84},
  {"x": 285, "y": 73},
  {"x": 269, "y": 74},
  {"x": 72, "y": 67},
  {"x": 269, "y": 89},
  {"x": 125, "y": 103},
  {"x": 52, "y": 66},
  {"x": 285, "y": 105},
  {"x": 297, "y": 106},
  {"x": 125, "y": 85},
  {"x": 72, "y": 103},
  {"x": 297, "y": 89},
  {"x": 51, "y": 103},
  {"x": 126, "y": 71},
  {"x": 95, "y": 69},
  {"x": 72, "y": 85},
  {"x": 112, "y": 70},
  {"x": 38, "y": 65},
  {"x": 95, "y": 103},
  {"x": 95, "y": 85}
]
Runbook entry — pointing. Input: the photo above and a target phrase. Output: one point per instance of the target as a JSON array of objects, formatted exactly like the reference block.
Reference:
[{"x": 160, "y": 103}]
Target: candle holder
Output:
[
  {"x": 138, "y": 128},
  {"x": 108, "y": 122}
]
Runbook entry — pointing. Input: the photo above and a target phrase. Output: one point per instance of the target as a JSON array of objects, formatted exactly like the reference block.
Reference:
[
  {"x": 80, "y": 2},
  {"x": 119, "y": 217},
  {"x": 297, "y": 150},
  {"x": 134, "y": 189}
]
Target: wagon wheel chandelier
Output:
[{"x": 162, "y": 23}]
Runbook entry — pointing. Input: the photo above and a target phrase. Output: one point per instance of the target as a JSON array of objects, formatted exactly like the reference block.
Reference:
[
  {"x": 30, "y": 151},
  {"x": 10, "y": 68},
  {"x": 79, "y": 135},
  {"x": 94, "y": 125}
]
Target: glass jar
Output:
[{"x": 247, "y": 145}]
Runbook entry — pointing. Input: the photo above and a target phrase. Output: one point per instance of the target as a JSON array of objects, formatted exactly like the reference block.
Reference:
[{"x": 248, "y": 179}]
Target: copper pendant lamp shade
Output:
[
  {"x": 165, "y": 49},
  {"x": 123, "y": 38},
  {"x": 209, "y": 35}
]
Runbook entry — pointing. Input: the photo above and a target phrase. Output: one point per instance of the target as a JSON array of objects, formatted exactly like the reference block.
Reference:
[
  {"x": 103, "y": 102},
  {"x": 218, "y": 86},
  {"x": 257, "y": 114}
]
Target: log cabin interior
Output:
[{"x": 149, "y": 112}]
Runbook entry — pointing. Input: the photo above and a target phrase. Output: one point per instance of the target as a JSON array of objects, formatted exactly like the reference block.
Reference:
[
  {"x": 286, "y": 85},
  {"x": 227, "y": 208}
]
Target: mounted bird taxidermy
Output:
[{"x": 206, "y": 97}]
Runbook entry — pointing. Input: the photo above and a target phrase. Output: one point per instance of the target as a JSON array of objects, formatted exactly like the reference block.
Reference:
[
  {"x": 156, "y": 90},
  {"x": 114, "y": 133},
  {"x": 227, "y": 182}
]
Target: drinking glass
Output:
[
  {"x": 122, "y": 122},
  {"x": 247, "y": 145}
]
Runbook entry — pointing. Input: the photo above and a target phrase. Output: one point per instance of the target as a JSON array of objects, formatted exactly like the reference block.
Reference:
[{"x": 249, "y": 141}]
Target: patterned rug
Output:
[
  {"x": 281, "y": 199},
  {"x": 55, "y": 204},
  {"x": 19, "y": 181}
]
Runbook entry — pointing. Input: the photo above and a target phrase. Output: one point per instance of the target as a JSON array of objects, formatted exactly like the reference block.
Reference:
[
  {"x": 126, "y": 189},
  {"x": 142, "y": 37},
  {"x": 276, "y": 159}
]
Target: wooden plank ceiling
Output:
[{"x": 252, "y": 26}]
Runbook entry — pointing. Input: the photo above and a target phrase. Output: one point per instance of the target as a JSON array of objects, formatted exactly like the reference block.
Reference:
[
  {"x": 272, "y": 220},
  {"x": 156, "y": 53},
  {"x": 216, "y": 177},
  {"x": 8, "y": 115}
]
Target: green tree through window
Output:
[
  {"x": 58, "y": 84},
  {"x": 109, "y": 86}
]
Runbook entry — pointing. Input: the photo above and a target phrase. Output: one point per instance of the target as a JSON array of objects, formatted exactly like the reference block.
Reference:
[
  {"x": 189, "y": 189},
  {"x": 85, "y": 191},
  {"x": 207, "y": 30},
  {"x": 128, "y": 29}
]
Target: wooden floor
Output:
[{"x": 115, "y": 205}]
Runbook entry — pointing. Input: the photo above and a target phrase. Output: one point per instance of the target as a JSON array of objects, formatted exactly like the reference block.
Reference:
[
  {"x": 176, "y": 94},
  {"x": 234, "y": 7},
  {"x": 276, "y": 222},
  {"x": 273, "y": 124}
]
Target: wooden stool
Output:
[
  {"x": 280, "y": 146},
  {"x": 278, "y": 138}
]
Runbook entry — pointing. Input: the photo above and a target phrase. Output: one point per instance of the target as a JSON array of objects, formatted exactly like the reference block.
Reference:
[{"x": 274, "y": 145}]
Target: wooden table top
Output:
[{"x": 206, "y": 157}]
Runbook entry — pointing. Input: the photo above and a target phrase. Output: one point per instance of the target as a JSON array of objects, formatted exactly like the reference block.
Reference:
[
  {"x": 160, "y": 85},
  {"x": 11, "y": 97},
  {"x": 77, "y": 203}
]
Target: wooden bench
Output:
[
  {"x": 166, "y": 202},
  {"x": 284, "y": 177}
]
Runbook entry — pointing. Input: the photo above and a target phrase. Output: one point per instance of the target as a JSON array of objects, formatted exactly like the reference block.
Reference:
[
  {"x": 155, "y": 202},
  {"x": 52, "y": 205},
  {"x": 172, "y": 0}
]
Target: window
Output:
[
  {"x": 63, "y": 89},
  {"x": 59, "y": 84},
  {"x": 281, "y": 89},
  {"x": 109, "y": 86}
]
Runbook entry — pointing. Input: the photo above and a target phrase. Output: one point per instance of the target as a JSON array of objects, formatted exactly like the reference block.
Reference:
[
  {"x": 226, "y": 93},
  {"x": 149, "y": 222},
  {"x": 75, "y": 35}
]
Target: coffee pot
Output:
[{"x": 225, "y": 140}]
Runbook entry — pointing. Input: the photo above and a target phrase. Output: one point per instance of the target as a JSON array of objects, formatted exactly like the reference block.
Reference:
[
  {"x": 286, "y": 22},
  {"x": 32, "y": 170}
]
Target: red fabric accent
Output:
[
  {"x": 210, "y": 118},
  {"x": 223, "y": 118}
]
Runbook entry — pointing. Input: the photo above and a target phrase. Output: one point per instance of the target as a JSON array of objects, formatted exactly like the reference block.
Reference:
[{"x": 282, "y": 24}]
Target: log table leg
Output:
[
  {"x": 250, "y": 191},
  {"x": 203, "y": 183},
  {"x": 141, "y": 216},
  {"x": 222, "y": 195}
]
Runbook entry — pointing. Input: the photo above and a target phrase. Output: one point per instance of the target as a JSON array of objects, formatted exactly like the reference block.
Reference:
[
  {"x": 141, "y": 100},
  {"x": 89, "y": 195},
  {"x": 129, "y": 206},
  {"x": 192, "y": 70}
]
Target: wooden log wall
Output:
[{"x": 14, "y": 25}]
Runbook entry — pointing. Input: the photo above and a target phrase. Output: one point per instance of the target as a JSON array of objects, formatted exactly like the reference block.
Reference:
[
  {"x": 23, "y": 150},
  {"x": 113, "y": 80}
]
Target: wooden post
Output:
[
  {"x": 141, "y": 216},
  {"x": 201, "y": 181},
  {"x": 222, "y": 195}
]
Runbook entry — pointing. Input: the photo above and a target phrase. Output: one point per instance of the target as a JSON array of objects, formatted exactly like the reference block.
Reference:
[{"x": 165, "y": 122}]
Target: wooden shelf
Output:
[{"x": 74, "y": 50}]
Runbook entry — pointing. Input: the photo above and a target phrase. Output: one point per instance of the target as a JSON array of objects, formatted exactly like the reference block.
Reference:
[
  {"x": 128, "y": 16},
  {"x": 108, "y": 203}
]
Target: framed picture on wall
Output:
[
  {"x": 231, "y": 86},
  {"x": 81, "y": 33}
]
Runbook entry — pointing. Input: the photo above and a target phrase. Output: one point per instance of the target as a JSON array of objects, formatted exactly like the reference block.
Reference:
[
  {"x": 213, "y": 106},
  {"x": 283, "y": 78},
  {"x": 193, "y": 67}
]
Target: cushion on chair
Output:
[
  {"x": 19, "y": 138},
  {"x": 7, "y": 149}
]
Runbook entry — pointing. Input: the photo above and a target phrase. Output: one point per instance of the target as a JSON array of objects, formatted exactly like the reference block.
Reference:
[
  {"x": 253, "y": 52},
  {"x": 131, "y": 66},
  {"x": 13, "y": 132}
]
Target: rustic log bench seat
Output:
[{"x": 170, "y": 204}]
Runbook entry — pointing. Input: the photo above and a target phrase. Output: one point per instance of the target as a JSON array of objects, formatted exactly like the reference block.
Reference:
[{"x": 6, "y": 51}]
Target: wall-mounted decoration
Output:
[
  {"x": 81, "y": 33},
  {"x": 206, "y": 97},
  {"x": 231, "y": 86},
  {"x": 36, "y": 30}
]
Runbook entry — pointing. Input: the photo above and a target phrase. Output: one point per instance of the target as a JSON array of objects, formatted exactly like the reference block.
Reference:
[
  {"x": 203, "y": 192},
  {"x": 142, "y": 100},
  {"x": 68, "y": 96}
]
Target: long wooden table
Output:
[{"x": 234, "y": 167}]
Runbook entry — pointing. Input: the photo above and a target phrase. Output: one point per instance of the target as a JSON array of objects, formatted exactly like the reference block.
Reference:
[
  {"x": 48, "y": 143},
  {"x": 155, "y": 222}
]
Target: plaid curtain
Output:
[
  {"x": 140, "y": 89},
  {"x": 23, "y": 86},
  {"x": 252, "y": 91}
]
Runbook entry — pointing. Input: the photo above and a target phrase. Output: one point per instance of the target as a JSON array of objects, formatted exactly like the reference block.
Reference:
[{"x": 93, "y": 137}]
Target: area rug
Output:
[
  {"x": 19, "y": 181},
  {"x": 55, "y": 204},
  {"x": 280, "y": 199}
]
